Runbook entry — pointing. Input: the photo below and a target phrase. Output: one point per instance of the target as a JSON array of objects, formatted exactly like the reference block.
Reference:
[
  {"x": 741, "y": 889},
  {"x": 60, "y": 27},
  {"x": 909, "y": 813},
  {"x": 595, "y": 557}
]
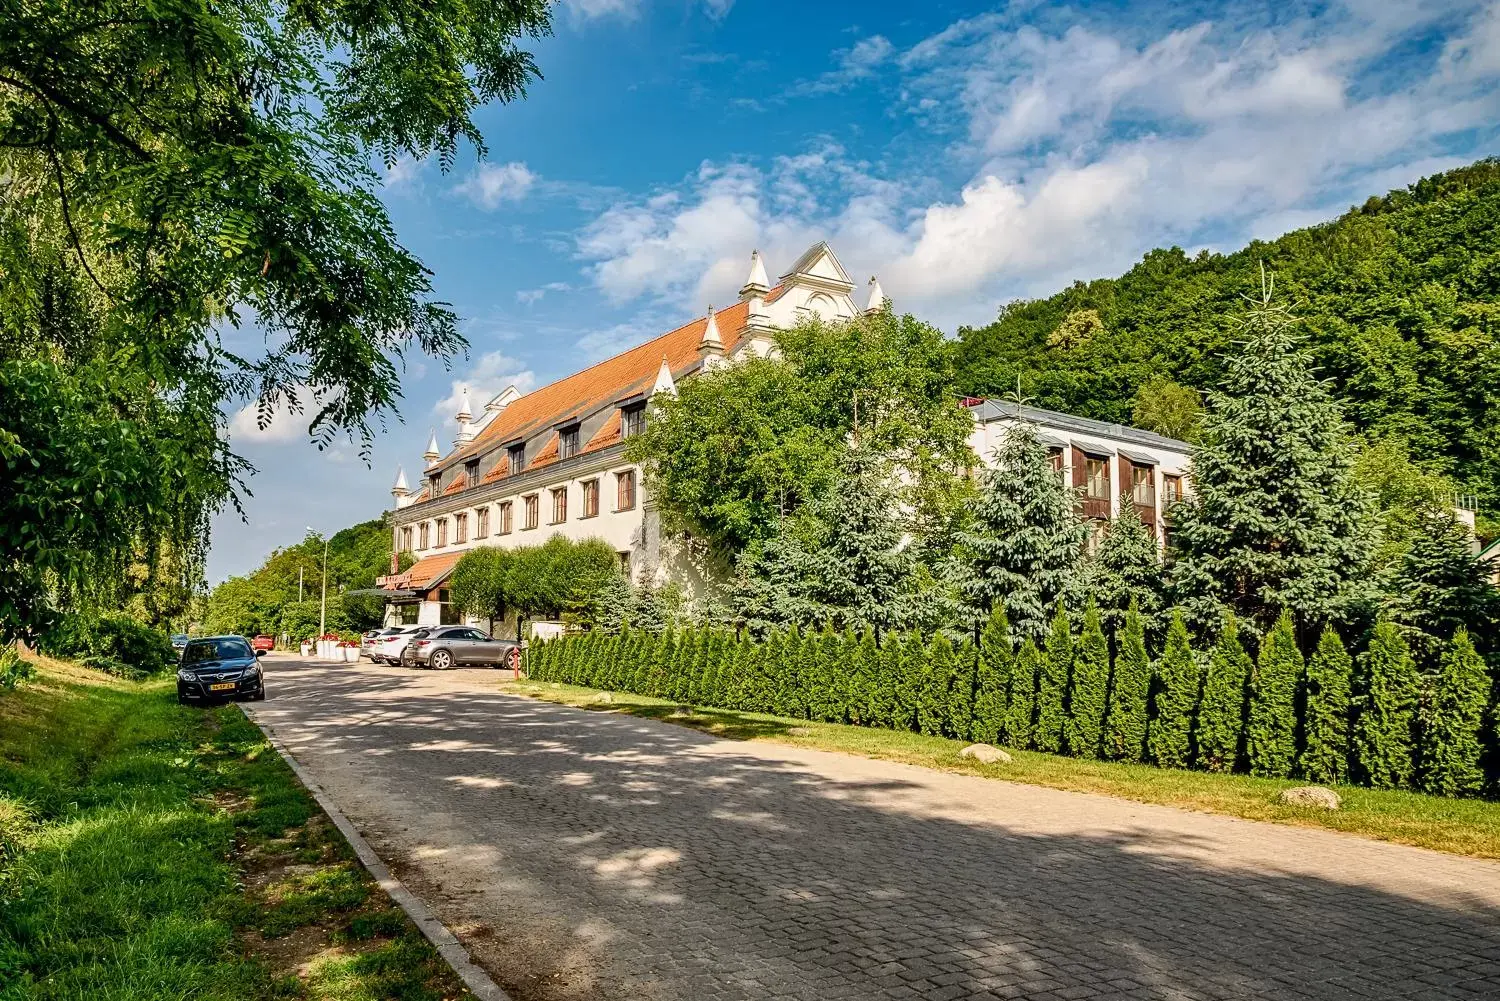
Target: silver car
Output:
[{"x": 444, "y": 647}]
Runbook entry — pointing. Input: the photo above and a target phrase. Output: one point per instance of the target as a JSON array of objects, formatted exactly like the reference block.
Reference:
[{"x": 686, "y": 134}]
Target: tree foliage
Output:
[
  {"x": 1325, "y": 752},
  {"x": 1089, "y": 688},
  {"x": 1221, "y": 716},
  {"x": 1174, "y": 696},
  {"x": 1129, "y": 704},
  {"x": 1384, "y": 742},
  {"x": 1270, "y": 733},
  {"x": 1451, "y": 762}
]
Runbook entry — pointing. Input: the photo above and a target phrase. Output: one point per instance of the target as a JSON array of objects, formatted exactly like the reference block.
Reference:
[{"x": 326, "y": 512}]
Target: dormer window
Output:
[
  {"x": 632, "y": 420},
  {"x": 471, "y": 469},
  {"x": 567, "y": 441},
  {"x": 516, "y": 456}
]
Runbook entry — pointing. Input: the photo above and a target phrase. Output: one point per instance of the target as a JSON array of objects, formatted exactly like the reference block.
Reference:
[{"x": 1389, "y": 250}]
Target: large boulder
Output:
[
  {"x": 985, "y": 754},
  {"x": 1316, "y": 797}
]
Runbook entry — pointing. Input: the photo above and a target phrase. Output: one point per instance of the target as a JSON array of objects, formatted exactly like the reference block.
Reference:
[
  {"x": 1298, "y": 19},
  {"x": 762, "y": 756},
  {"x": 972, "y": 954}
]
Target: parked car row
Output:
[{"x": 439, "y": 647}]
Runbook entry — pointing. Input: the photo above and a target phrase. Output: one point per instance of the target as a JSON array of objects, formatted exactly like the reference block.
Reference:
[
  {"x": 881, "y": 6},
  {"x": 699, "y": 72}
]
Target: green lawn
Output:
[
  {"x": 1460, "y": 826},
  {"x": 150, "y": 851}
]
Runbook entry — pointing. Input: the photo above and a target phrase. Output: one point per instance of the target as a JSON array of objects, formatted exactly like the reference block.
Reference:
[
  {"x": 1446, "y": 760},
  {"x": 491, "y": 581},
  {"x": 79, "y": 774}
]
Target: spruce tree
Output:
[
  {"x": 1325, "y": 715},
  {"x": 1052, "y": 684},
  {"x": 992, "y": 688},
  {"x": 1023, "y": 540},
  {"x": 1125, "y": 569},
  {"x": 940, "y": 671},
  {"x": 1021, "y": 714},
  {"x": 1271, "y": 726},
  {"x": 1452, "y": 748},
  {"x": 1130, "y": 690},
  {"x": 1086, "y": 699},
  {"x": 1221, "y": 716},
  {"x": 1174, "y": 697},
  {"x": 1276, "y": 520},
  {"x": 1383, "y": 743},
  {"x": 1441, "y": 587}
]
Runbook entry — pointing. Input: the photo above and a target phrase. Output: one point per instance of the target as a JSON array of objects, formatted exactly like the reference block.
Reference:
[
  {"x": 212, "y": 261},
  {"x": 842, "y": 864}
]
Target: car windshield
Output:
[
  {"x": 179, "y": 637},
  {"x": 201, "y": 650}
]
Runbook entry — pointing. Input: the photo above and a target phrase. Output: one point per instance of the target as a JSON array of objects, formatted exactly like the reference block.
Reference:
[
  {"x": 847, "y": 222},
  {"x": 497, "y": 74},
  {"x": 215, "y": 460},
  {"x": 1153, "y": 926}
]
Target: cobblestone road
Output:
[{"x": 590, "y": 855}]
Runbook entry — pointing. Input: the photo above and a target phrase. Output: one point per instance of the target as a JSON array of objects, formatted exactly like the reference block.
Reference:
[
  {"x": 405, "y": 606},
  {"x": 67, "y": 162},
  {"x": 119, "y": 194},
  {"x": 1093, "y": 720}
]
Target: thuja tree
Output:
[
  {"x": 1270, "y": 730},
  {"x": 1021, "y": 714},
  {"x": 1125, "y": 724},
  {"x": 1089, "y": 688},
  {"x": 1276, "y": 519},
  {"x": 1325, "y": 715},
  {"x": 961, "y": 692},
  {"x": 1023, "y": 540},
  {"x": 1052, "y": 684},
  {"x": 942, "y": 665},
  {"x": 1383, "y": 739},
  {"x": 1174, "y": 693},
  {"x": 1451, "y": 758},
  {"x": 1221, "y": 715},
  {"x": 992, "y": 687}
]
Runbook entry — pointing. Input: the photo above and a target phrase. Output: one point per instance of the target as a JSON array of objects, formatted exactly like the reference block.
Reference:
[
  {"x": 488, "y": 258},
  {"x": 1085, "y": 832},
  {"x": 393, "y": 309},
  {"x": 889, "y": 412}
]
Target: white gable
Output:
[{"x": 819, "y": 262}]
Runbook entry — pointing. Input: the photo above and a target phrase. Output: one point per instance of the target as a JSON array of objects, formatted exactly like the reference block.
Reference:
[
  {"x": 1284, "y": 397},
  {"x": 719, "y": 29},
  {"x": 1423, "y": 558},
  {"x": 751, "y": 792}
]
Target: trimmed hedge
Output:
[{"x": 1216, "y": 710}]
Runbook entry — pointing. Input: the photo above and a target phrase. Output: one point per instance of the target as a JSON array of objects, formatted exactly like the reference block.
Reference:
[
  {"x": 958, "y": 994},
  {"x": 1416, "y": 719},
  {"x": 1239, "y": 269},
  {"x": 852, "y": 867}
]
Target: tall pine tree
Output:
[
  {"x": 1452, "y": 747},
  {"x": 1125, "y": 569},
  {"x": 1023, "y": 541},
  {"x": 1086, "y": 701},
  {"x": 1276, "y": 519},
  {"x": 1271, "y": 729},
  {"x": 1125, "y": 724},
  {"x": 1174, "y": 698},
  {"x": 1221, "y": 715},
  {"x": 1052, "y": 684},
  {"x": 992, "y": 695},
  {"x": 1383, "y": 744},
  {"x": 1325, "y": 714}
]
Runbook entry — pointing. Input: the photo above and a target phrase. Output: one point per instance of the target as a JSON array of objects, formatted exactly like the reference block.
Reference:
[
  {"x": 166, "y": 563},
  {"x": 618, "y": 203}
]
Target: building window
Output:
[
  {"x": 590, "y": 498},
  {"x": 442, "y": 525},
  {"x": 406, "y": 539},
  {"x": 1055, "y": 456},
  {"x": 533, "y": 509},
  {"x": 471, "y": 470},
  {"x": 1171, "y": 489},
  {"x": 632, "y": 420},
  {"x": 461, "y": 528},
  {"x": 1095, "y": 478},
  {"x": 625, "y": 490},
  {"x": 567, "y": 441},
  {"x": 447, "y": 611},
  {"x": 422, "y": 535},
  {"x": 1143, "y": 486},
  {"x": 559, "y": 505},
  {"x": 505, "y": 524},
  {"x": 516, "y": 455},
  {"x": 482, "y": 522}
]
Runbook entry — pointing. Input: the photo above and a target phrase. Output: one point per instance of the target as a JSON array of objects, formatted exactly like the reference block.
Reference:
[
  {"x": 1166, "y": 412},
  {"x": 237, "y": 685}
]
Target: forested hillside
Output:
[
  {"x": 1399, "y": 300},
  {"x": 266, "y": 600}
]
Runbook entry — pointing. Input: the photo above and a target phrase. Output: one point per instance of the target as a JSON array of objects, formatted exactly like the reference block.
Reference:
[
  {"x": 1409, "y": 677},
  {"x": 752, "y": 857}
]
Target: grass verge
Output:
[
  {"x": 151, "y": 851},
  {"x": 1459, "y": 826}
]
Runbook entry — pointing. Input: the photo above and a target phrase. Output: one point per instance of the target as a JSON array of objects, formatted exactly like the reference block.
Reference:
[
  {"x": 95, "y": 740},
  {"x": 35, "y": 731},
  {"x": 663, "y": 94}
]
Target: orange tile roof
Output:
[
  {"x": 546, "y": 456},
  {"x": 425, "y": 572},
  {"x": 630, "y": 372},
  {"x": 421, "y": 496},
  {"x": 501, "y": 470},
  {"x": 458, "y": 484},
  {"x": 607, "y": 435}
]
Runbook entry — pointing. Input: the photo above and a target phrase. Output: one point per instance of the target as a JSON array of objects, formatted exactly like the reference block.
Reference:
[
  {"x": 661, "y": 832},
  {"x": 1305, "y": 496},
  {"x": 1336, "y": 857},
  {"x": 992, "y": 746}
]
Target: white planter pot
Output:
[
  {"x": 351, "y": 654},
  {"x": 306, "y": 649}
]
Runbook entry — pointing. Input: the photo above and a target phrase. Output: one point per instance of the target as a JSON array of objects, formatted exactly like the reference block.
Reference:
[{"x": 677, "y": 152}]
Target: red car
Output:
[{"x": 263, "y": 642}]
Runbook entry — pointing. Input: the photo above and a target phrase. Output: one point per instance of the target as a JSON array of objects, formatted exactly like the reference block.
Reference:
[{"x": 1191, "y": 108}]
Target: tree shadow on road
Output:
[{"x": 664, "y": 864}]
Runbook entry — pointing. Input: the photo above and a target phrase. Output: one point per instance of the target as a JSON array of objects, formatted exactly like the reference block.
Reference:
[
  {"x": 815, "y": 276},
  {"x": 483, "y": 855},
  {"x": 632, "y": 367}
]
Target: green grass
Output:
[
  {"x": 1460, "y": 826},
  {"x": 150, "y": 851}
]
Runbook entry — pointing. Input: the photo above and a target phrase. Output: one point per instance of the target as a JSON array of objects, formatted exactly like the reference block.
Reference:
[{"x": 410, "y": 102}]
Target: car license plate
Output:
[{"x": 224, "y": 687}]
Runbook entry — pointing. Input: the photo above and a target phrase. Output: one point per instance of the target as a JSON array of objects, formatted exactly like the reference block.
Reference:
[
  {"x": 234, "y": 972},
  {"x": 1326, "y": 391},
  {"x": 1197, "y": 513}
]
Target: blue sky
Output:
[{"x": 966, "y": 154}]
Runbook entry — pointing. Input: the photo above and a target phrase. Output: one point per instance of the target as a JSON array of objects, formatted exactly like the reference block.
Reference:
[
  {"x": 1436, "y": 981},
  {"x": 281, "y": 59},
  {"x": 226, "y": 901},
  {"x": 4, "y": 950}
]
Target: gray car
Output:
[{"x": 444, "y": 647}]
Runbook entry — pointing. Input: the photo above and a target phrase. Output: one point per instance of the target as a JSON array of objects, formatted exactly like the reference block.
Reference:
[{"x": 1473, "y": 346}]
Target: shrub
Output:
[
  {"x": 960, "y": 709},
  {"x": 14, "y": 671},
  {"x": 1383, "y": 732},
  {"x": 1052, "y": 684},
  {"x": 1451, "y": 762},
  {"x": 1021, "y": 716},
  {"x": 992, "y": 682},
  {"x": 112, "y": 642},
  {"x": 1325, "y": 718},
  {"x": 1270, "y": 731},
  {"x": 1221, "y": 717},
  {"x": 1125, "y": 724},
  {"x": 1089, "y": 687},
  {"x": 1174, "y": 696},
  {"x": 865, "y": 689},
  {"x": 938, "y": 672},
  {"x": 913, "y": 680}
]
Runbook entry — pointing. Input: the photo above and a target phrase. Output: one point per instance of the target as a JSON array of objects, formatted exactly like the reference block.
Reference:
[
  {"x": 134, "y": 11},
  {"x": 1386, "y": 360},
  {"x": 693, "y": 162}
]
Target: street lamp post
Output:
[{"x": 323, "y": 603}]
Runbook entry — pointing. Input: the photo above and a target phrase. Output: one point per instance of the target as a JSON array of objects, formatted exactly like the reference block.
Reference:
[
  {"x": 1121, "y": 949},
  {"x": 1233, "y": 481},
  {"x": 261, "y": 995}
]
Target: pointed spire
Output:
[
  {"x": 465, "y": 411},
  {"x": 664, "y": 382},
  {"x": 877, "y": 296},
  {"x": 757, "y": 283},
  {"x": 399, "y": 488},
  {"x": 433, "y": 453},
  {"x": 712, "y": 343}
]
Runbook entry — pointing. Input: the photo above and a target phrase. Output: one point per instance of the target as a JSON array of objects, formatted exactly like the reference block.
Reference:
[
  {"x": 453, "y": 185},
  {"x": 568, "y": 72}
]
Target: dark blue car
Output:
[{"x": 219, "y": 667}]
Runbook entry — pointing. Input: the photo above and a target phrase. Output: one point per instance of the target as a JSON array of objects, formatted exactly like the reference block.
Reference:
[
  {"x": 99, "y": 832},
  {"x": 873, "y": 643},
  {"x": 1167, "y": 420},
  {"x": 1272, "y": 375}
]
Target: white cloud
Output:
[
  {"x": 527, "y": 296},
  {"x": 491, "y": 184},
  {"x": 404, "y": 173},
  {"x": 491, "y": 374},
  {"x": 629, "y": 10},
  {"x": 1075, "y": 151},
  {"x": 858, "y": 62},
  {"x": 286, "y": 423}
]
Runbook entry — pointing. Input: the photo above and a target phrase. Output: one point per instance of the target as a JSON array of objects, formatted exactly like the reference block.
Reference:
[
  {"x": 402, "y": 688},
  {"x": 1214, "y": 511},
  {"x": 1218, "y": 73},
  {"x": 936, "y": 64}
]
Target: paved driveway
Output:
[{"x": 590, "y": 855}]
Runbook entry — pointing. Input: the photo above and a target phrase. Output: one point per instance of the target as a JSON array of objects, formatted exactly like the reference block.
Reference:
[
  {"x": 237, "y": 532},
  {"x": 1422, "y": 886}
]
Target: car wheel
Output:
[
  {"x": 513, "y": 659},
  {"x": 441, "y": 660},
  {"x": 260, "y": 694}
]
